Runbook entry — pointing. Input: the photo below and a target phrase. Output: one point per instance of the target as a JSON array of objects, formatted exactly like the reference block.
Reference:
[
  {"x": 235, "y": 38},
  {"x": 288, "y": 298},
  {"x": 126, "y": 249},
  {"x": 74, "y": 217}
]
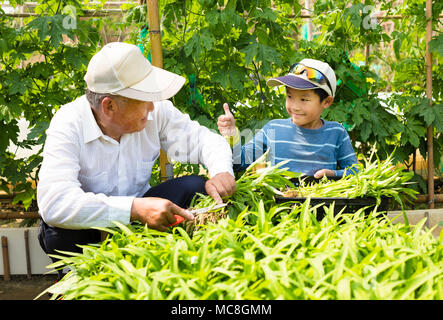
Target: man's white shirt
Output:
[{"x": 88, "y": 179}]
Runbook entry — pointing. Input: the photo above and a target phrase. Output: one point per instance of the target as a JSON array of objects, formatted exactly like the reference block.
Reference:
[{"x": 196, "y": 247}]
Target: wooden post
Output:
[
  {"x": 28, "y": 258},
  {"x": 157, "y": 60},
  {"x": 7, "y": 270},
  {"x": 309, "y": 22},
  {"x": 155, "y": 34},
  {"x": 430, "y": 129},
  {"x": 19, "y": 215}
]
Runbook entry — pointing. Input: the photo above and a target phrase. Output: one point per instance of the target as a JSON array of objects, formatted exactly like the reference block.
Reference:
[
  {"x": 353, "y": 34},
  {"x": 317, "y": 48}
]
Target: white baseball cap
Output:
[
  {"x": 300, "y": 80},
  {"x": 120, "y": 68}
]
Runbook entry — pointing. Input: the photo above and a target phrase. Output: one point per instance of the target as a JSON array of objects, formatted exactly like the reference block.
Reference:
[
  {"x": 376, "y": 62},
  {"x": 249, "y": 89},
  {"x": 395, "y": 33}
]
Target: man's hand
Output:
[
  {"x": 221, "y": 185},
  {"x": 226, "y": 122},
  {"x": 157, "y": 213},
  {"x": 324, "y": 172}
]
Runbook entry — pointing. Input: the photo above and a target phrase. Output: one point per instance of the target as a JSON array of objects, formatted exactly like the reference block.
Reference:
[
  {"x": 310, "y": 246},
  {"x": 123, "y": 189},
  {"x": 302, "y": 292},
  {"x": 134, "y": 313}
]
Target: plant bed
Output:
[
  {"x": 260, "y": 250},
  {"x": 298, "y": 258}
]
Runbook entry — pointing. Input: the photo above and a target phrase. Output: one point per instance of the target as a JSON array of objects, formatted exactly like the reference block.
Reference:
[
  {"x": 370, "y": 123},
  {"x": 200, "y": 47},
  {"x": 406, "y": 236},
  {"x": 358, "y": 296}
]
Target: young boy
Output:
[{"x": 313, "y": 146}]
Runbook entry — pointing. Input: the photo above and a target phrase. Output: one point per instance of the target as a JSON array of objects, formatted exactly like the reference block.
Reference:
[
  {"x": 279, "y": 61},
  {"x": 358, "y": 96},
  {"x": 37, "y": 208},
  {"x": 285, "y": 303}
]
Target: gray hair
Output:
[{"x": 95, "y": 99}]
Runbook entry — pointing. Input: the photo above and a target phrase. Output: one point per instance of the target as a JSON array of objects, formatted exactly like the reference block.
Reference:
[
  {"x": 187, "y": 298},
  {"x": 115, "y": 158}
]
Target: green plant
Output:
[
  {"x": 42, "y": 64},
  {"x": 298, "y": 258},
  {"x": 265, "y": 251}
]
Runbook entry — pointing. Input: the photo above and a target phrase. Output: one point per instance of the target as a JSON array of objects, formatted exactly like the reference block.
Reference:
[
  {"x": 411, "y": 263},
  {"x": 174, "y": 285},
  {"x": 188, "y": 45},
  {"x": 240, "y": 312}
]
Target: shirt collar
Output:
[{"x": 91, "y": 130}]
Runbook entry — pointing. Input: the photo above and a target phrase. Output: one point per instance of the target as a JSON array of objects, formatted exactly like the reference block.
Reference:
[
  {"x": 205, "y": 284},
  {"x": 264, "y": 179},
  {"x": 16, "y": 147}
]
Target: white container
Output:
[{"x": 17, "y": 252}]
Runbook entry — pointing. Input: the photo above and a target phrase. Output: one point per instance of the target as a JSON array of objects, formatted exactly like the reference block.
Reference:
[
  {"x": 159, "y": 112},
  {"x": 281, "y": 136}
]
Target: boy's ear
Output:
[{"x": 327, "y": 101}]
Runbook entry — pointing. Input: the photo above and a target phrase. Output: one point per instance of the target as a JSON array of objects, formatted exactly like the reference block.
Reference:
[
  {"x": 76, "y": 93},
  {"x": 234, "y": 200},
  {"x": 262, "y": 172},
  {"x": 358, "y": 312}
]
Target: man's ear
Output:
[
  {"x": 108, "y": 106},
  {"x": 327, "y": 102}
]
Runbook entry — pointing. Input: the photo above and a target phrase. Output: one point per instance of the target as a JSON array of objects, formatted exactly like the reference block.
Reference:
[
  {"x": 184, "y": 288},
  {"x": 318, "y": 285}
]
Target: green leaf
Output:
[
  {"x": 359, "y": 114},
  {"x": 51, "y": 26},
  {"x": 366, "y": 130},
  {"x": 221, "y": 77},
  {"x": 436, "y": 44},
  {"x": 268, "y": 56},
  {"x": 438, "y": 116},
  {"x": 429, "y": 115},
  {"x": 38, "y": 130},
  {"x": 41, "y": 24},
  {"x": 57, "y": 31},
  {"x": 26, "y": 196},
  {"x": 250, "y": 52},
  {"x": 413, "y": 131},
  {"x": 5, "y": 113},
  {"x": 206, "y": 39},
  {"x": 17, "y": 84},
  {"x": 354, "y": 14},
  {"x": 192, "y": 46},
  {"x": 266, "y": 14},
  {"x": 397, "y": 46}
]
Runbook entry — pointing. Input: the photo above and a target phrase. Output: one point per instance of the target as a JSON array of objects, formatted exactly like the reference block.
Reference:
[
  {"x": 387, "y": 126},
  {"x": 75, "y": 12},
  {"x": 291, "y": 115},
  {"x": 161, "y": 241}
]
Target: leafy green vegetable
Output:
[
  {"x": 264, "y": 251},
  {"x": 370, "y": 179}
]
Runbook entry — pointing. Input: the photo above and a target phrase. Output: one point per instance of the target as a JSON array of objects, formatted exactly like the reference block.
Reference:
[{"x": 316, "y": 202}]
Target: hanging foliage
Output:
[{"x": 228, "y": 49}]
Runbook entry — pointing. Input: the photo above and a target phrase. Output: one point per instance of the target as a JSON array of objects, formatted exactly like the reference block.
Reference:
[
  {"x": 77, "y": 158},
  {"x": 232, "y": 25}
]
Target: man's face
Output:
[{"x": 130, "y": 115}]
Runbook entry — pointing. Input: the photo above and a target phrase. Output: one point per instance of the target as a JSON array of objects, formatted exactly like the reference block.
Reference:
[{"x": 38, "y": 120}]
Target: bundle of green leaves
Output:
[
  {"x": 259, "y": 182},
  {"x": 377, "y": 179}
]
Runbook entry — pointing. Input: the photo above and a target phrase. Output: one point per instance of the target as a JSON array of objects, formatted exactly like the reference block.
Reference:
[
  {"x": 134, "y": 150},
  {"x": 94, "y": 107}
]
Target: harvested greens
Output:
[{"x": 374, "y": 179}]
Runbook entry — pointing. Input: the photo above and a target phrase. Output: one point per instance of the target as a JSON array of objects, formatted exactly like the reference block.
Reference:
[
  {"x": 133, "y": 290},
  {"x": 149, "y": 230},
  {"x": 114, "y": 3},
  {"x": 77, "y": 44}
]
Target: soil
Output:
[{"x": 19, "y": 287}]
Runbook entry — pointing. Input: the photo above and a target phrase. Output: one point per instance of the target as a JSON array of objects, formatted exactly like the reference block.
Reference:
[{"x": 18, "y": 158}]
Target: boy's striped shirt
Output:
[{"x": 308, "y": 150}]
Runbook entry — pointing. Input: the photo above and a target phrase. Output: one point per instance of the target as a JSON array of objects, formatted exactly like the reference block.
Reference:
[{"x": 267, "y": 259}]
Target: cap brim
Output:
[
  {"x": 158, "y": 85},
  {"x": 296, "y": 82},
  {"x": 291, "y": 81}
]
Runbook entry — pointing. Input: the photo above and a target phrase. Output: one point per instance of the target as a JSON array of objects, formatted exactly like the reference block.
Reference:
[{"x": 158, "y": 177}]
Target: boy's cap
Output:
[
  {"x": 120, "y": 68},
  {"x": 301, "y": 81}
]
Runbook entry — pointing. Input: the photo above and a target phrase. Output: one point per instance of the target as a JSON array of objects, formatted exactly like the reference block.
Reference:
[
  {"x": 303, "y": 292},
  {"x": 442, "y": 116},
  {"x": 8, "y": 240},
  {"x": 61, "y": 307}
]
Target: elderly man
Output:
[{"x": 101, "y": 147}]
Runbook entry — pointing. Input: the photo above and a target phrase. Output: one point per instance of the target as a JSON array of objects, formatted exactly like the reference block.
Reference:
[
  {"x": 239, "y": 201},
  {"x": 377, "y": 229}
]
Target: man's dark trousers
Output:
[{"x": 179, "y": 191}]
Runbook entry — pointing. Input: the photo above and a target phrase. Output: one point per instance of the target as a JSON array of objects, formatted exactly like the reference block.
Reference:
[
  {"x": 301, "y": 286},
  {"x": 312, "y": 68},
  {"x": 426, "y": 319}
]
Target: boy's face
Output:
[{"x": 305, "y": 108}]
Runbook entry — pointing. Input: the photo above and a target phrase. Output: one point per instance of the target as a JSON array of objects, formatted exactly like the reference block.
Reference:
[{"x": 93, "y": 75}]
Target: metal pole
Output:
[
  {"x": 157, "y": 60},
  {"x": 430, "y": 129}
]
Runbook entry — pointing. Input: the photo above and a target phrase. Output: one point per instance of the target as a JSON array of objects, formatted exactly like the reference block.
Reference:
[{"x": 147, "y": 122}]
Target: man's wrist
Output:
[{"x": 134, "y": 216}]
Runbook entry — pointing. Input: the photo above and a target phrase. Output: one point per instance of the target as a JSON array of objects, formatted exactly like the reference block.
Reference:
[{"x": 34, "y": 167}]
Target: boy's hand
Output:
[
  {"x": 324, "y": 172},
  {"x": 226, "y": 122}
]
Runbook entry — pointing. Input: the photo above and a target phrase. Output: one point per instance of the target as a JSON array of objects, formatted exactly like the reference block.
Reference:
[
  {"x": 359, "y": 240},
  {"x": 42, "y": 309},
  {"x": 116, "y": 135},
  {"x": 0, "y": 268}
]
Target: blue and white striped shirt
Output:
[{"x": 308, "y": 150}]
